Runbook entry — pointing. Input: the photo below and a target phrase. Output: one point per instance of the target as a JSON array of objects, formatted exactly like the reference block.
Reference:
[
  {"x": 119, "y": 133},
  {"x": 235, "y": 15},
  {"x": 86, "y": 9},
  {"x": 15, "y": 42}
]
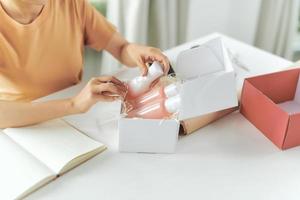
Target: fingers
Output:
[
  {"x": 142, "y": 64},
  {"x": 157, "y": 55},
  {"x": 147, "y": 55},
  {"x": 164, "y": 61},
  {"x": 108, "y": 90},
  {"x": 107, "y": 79}
]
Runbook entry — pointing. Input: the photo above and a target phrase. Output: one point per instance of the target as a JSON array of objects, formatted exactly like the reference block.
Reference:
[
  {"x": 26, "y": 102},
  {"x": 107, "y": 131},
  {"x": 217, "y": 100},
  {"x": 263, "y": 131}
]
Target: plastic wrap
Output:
[{"x": 128, "y": 105}]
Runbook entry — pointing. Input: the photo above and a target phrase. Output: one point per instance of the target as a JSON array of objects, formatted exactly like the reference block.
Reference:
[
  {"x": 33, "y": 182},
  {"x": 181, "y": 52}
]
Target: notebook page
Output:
[
  {"x": 55, "y": 143},
  {"x": 20, "y": 172}
]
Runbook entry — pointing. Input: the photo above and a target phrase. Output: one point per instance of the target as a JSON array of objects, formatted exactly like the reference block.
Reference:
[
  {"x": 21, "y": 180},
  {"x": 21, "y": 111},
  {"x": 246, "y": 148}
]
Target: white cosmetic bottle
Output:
[
  {"x": 141, "y": 84},
  {"x": 163, "y": 92},
  {"x": 164, "y": 108}
]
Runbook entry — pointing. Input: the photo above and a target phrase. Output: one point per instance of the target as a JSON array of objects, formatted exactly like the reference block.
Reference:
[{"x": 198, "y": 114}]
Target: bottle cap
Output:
[
  {"x": 155, "y": 71},
  {"x": 171, "y": 90},
  {"x": 173, "y": 104}
]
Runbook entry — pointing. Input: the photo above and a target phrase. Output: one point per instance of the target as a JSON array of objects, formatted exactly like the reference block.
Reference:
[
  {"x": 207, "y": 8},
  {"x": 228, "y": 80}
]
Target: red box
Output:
[{"x": 271, "y": 102}]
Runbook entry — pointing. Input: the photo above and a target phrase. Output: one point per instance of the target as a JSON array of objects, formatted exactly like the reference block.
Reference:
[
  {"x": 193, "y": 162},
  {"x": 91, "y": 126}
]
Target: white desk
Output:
[{"x": 229, "y": 159}]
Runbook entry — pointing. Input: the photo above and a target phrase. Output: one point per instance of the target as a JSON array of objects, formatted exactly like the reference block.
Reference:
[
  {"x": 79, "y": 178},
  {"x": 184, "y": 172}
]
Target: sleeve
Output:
[{"x": 97, "y": 30}]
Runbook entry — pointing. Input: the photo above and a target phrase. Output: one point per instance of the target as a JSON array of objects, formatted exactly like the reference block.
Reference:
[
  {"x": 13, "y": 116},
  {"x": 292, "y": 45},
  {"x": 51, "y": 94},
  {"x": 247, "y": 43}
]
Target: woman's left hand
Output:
[{"x": 143, "y": 55}]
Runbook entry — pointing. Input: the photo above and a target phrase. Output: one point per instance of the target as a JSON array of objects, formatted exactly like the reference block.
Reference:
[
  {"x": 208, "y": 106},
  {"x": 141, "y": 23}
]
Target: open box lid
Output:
[
  {"x": 209, "y": 81},
  {"x": 203, "y": 59}
]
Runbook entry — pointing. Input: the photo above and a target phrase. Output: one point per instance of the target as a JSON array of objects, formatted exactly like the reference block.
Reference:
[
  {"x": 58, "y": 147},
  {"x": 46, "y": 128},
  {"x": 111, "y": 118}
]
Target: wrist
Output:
[
  {"x": 127, "y": 57},
  {"x": 72, "y": 107}
]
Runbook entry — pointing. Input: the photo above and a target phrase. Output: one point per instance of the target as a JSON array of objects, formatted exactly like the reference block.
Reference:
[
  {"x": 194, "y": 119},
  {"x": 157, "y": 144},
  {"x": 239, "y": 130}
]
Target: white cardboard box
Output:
[{"x": 208, "y": 86}]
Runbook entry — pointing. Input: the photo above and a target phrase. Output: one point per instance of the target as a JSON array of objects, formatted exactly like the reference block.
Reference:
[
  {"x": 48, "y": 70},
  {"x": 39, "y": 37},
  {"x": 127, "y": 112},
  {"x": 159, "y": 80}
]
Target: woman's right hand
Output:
[{"x": 104, "y": 88}]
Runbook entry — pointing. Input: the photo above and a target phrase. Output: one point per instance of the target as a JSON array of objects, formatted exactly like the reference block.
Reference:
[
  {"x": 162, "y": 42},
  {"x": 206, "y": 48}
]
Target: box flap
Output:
[
  {"x": 209, "y": 80},
  {"x": 148, "y": 136},
  {"x": 207, "y": 94},
  {"x": 204, "y": 59}
]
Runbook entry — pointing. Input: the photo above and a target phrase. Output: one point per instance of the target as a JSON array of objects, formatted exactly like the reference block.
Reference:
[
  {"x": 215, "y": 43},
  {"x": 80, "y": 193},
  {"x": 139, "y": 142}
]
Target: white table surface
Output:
[{"x": 229, "y": 159}]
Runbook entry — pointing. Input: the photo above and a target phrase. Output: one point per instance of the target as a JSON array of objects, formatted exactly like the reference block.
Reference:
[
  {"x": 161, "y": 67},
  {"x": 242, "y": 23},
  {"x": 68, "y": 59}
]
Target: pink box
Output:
[{"x": 271, "y": 102}]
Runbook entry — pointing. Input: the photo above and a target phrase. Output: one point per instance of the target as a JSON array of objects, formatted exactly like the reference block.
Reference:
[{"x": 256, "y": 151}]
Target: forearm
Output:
[
  {"x": 125, "y": 57},
  {"x": 17, "y": 114},
  {"x": 119, "y": 47}
]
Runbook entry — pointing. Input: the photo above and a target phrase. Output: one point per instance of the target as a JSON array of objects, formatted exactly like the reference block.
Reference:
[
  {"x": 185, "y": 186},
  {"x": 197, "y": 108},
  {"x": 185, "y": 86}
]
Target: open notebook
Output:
[{"x": 33, "y": 156}]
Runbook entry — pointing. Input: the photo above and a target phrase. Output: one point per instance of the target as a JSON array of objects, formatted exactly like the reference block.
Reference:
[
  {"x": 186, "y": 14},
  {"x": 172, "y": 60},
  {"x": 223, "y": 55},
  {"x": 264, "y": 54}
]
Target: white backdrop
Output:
[
  {"x": 277, "y": 26},
  {"x": 235, "y": 18}
]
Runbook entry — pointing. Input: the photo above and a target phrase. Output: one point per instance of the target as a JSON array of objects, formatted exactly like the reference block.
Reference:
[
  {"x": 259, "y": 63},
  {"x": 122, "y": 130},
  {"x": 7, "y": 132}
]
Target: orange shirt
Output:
[{"x": 47, "y": 55}]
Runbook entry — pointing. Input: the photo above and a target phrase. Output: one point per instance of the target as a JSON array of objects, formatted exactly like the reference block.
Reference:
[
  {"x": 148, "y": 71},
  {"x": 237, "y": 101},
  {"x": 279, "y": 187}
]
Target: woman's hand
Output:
[
  {"x": 143, "y": 55},
  {"x": 105, "y": 88},
  {"x": 18, "y": 114},
  {"x": 133, "y": 55}
]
